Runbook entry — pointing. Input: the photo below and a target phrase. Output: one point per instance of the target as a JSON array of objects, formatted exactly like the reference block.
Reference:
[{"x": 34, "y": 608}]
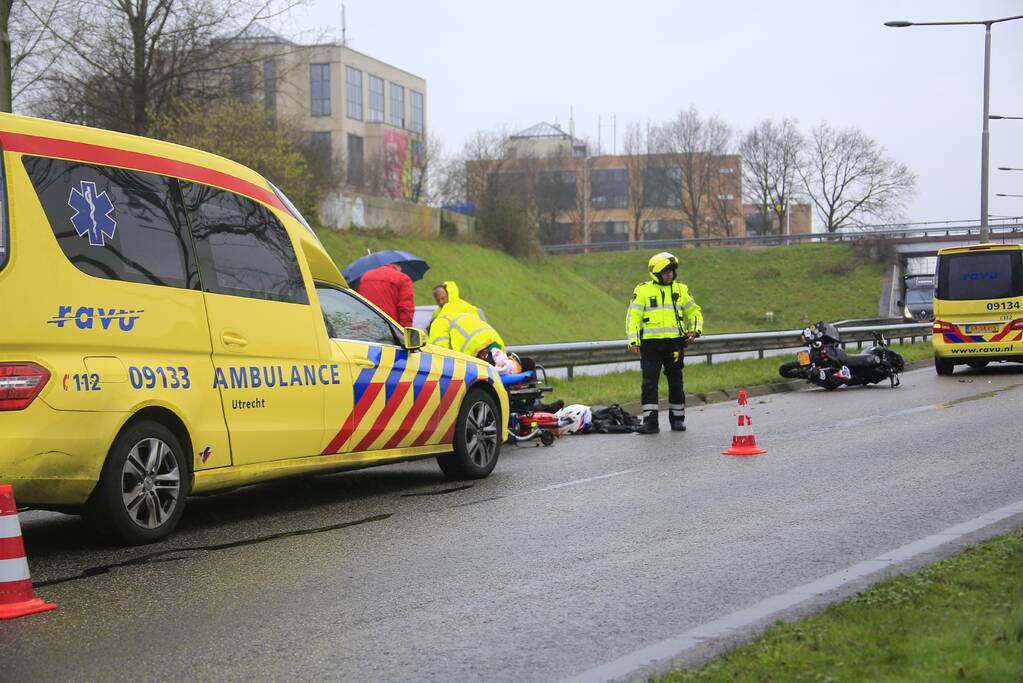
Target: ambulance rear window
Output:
[
  {"x": 974, "y": 275},
  {"x": 114, "y": 223}
]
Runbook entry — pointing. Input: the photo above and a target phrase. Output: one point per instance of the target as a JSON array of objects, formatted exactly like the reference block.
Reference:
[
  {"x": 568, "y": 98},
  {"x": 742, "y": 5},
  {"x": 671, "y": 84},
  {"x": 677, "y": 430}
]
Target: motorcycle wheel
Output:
[{"x": 792, "y": 370}]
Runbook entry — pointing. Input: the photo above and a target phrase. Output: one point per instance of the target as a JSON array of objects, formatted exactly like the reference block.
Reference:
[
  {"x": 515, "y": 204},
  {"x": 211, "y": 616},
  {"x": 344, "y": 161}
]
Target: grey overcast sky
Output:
[{"x": 917, "y": 90}]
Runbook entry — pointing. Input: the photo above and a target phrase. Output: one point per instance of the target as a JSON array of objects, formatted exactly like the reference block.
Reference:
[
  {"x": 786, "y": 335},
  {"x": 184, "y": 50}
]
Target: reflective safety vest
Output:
[
  {"x": 661, "y": 312},
  {"x": 465, "y": 332}
]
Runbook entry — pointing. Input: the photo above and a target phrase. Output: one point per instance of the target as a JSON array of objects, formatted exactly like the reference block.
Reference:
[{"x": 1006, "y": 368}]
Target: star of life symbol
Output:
[{"x": 92, "y": 213}]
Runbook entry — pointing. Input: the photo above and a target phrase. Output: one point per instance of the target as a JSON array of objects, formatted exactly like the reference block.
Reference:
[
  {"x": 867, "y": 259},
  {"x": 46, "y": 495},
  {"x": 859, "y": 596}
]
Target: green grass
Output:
[
  {"x": 959, "y": 619},
  {"x": 700, "y": 378},
  {"x": 583, "y": 297},
  {"x": 527, "y": 301},
  {"x": 735, "y": 287}
]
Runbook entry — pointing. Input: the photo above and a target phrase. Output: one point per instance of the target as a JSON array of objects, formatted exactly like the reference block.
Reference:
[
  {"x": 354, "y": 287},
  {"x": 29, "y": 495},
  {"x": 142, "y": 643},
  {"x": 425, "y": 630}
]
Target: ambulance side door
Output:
[
  {"x": 267, "y": 356},
  {"x": 394, "y": 391}
]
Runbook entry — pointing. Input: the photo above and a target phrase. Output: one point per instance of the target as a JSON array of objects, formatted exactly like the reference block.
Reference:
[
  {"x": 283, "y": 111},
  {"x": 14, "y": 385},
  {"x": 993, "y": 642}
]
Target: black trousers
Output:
[{"x": 655, "y": 355}]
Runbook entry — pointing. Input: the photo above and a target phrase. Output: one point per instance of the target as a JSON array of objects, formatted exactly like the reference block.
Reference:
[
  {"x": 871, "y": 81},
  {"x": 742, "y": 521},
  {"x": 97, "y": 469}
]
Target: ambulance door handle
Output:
[
  {"x": 363, "y": 362},
  {"x": 234, "y": 339}
]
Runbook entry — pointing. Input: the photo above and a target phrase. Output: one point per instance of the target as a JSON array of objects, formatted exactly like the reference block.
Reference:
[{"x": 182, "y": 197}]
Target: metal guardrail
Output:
[
  {"x": 570, "y": 354},
  {"x": 1011, "y": 227}
]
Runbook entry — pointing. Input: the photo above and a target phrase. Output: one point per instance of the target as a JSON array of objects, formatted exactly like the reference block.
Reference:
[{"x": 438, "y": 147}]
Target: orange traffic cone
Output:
[
  {"x": 743, "y": 441},
  {"x": 16, "y": 596}
]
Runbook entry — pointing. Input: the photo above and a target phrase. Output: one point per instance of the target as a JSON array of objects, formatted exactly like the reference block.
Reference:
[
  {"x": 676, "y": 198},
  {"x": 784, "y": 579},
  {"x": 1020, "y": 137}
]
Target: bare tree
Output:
[
  {"x": 132, "y": 59},
  {"x": 725, "y": 207},
  {"x": 849, "y": 177},
  {"x": 771, "y": 155},
  {"x": 499, "y": 187},
  {"x": 27, "y": 48},
  {"x": 426, "y": 156},
  {"x": 697, "y": 143},
  {"x": 637, "y": 148}
]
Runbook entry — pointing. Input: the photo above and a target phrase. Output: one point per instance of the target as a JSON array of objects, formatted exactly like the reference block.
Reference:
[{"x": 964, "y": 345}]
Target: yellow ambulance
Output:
[
  {"x": 172, "y": 325},
  {"x": 977, "y": 298}
]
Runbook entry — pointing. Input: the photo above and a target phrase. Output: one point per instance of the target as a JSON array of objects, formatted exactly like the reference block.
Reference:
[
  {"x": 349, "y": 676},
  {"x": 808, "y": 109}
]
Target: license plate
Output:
[
  {"x": 803, "y": 357},
  {"x": 980, "y": 329}
]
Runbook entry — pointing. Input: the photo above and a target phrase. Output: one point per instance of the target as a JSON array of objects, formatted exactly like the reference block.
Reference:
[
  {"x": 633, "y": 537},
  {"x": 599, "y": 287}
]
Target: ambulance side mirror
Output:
[{"x": 415, "y": 338}]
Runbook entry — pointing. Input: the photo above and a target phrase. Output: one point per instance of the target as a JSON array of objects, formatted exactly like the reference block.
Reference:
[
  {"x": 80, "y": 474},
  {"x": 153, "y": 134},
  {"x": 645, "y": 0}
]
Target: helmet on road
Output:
[
  {"x": 661, "y": 262},
  {"x": 574, "y": 419}
]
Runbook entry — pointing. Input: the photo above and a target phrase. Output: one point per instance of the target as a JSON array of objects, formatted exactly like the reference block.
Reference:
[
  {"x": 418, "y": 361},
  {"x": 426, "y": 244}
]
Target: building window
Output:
[
  {"x": 662, "y": 187},
  {"x": 759, "y": 224},
  {"x": 353, "y": 80},
  {"x": 609, "y": 188},
  {"x": 415, "y": 111},
  {"x": 376, "y": 98},
  {"x": 319, "y": 89},
  {"x": 270, "y": 85},
  {"x": 662, "y": 230},
  {"x": 555, "y": 190},
  {"x": 355, "y": 160},
  {"x": 242, "y": 82},
  {"x": 609, "y": 231},
  {"x": 321, "y": 154},
  {"x": 508, "y": 188},
  {"x": 323, "y": 145},
  {"x": 556, "y": 233},
  {"x": 397, "y": 106}
]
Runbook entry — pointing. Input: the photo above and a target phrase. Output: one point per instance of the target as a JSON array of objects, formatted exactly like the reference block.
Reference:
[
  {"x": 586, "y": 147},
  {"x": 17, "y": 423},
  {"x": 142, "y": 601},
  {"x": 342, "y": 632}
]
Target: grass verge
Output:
[
  {"x": 959, "y": 619},
  {"x": 584, "y": 297},
  {"x": 700, "y": 378},
  {"x": 736, "y": 288}
]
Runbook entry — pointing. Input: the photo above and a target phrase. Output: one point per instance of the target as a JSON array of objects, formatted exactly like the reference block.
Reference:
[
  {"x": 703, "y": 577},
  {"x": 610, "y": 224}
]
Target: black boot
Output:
[
  {"x": 649, "y": 425},
  {"x": 677, "y": 419},
  {"x": 678, "y": 425}
]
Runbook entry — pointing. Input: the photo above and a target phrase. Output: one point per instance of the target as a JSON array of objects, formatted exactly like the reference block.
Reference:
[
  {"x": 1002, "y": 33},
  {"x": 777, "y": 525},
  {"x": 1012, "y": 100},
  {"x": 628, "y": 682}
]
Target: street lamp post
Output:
[{"x": 985, "y": 232}]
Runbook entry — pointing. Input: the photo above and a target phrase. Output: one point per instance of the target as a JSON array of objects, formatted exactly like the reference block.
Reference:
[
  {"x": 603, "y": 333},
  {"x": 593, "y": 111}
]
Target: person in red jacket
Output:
[{"x": 391, "y": 291}]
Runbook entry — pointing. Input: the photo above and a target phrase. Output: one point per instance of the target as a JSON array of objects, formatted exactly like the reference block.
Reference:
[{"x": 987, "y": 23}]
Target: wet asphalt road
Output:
[{"x": 564, "y": 559}]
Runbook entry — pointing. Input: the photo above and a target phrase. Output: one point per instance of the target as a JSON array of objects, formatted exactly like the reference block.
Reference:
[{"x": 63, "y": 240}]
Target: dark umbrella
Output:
[{"x": 410, "y": 264}]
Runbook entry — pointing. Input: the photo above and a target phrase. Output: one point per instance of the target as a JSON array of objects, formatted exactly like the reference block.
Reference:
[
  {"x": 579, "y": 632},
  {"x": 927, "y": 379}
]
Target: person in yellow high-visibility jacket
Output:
[
  {"x": 464, "y": 331},
  {"x": 661, "y": 319}
]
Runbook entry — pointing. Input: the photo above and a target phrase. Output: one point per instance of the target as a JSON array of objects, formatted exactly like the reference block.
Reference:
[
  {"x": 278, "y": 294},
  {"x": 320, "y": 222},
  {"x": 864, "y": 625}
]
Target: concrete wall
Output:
[{"x": 341, "y": 211}]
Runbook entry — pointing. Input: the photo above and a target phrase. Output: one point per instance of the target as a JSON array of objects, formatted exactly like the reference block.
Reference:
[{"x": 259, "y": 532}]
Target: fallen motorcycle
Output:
[{"x": 826, "y": 364}]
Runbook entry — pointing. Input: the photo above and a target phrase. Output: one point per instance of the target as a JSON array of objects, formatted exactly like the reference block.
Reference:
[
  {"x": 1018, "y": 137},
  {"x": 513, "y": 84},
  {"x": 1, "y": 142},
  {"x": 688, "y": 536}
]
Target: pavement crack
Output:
[
  {"x": 175, "y": 554},
  {"x": 441, "y": 492}
]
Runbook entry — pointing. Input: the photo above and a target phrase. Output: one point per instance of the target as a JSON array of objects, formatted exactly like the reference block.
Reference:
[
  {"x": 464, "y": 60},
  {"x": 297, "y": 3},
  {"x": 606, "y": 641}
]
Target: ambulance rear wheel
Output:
[
  {"x": 477, "y": 439},
  {"x": 141, "y": 493},
  {"x": 943, "y": 367}
]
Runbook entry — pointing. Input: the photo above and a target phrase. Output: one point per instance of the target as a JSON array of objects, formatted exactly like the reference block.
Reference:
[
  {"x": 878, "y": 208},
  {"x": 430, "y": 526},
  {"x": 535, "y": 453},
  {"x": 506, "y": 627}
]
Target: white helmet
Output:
[{"x": 575, "y": 419}]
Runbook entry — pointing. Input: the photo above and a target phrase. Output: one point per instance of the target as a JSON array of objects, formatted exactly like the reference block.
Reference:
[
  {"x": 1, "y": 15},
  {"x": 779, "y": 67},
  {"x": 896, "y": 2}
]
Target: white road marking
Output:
[
  {"x": 576, "y": 482},
  {"x": 665, "y": 651}
]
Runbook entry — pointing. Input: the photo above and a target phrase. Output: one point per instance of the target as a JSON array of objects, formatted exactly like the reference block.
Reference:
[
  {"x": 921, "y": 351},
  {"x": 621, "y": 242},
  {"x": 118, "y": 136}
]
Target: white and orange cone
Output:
[
  {"x": 743, "y": 441},
  {"x": 16, "y": 596}
]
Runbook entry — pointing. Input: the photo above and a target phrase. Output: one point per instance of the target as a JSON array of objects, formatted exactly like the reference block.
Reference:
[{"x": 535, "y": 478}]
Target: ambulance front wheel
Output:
[
  {"x": 141, "y": 493},
  {"x": 477, "y": 439}
]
